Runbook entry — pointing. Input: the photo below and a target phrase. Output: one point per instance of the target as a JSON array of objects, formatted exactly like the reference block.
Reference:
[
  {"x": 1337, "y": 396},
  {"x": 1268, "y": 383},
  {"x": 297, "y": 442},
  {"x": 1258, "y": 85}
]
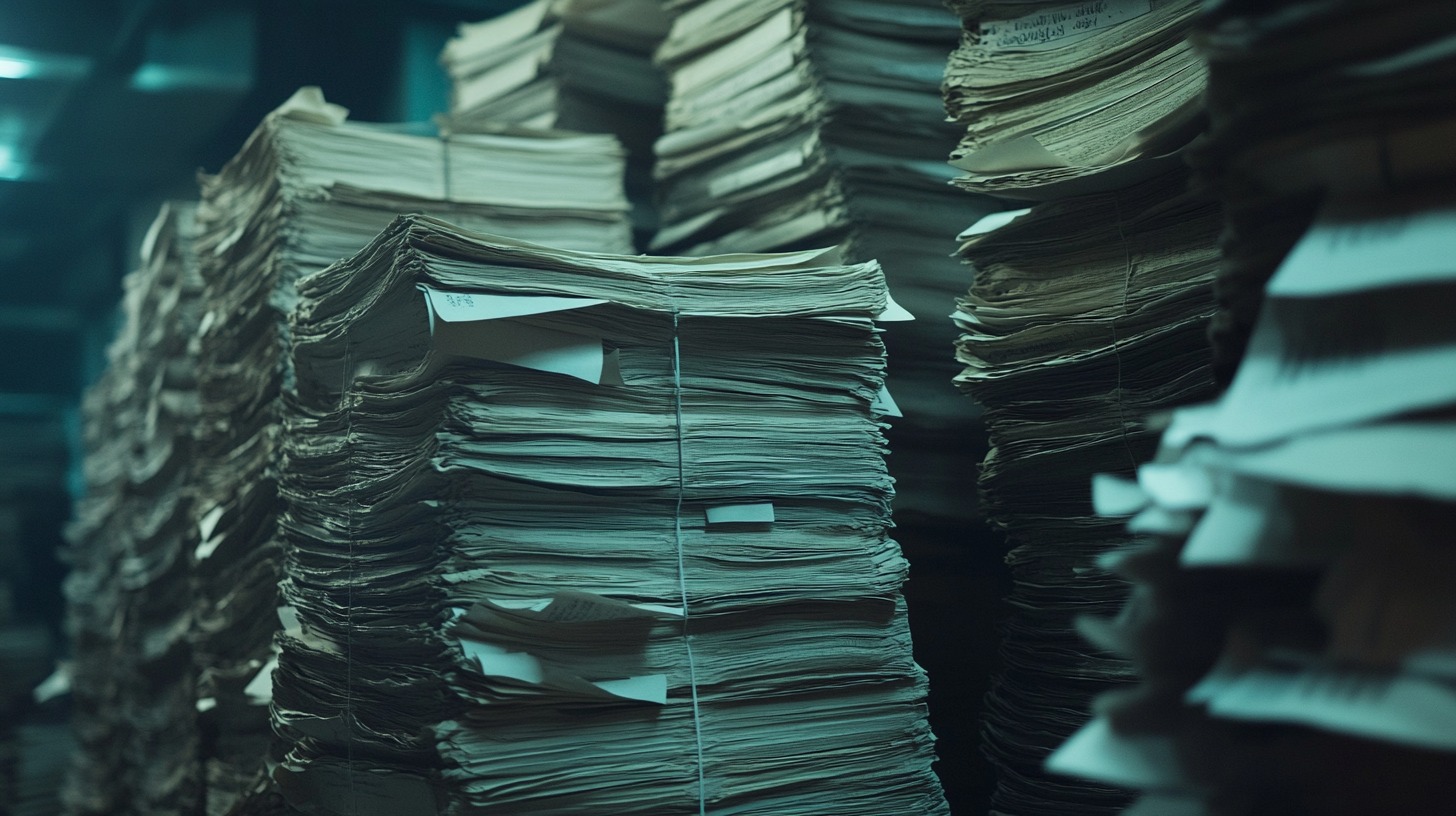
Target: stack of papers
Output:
[
  {"x": 1293, "y": 623},
  {"x": 573, "y": 532},
  {"x": 1084, "y": 316},
  {"x": 1302, "y": 590},
  {"x": 1057, "y": 99},
  {"x": 307, "y": 189},
  {"x": 130, "y": 546},
  {"x": 1368, "y": 123},
  {"x": 583, "y": 65},
  {"x": 793, "y": 125},
  {"x": 551, "y": 62}
]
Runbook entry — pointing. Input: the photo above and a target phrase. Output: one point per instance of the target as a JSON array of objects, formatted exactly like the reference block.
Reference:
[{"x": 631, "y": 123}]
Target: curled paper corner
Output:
[
  {"x": 893, "y": 312},
  {"x": 991, "y": 223},
  {"x": 308, "y": 105},
  {"x": 884, "y": 404}
]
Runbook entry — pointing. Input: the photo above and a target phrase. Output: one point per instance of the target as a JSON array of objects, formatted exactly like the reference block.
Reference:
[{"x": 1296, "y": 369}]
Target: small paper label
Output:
[
  {"x": 761, "y": 513},
  {"x": 457, "y": 307}
]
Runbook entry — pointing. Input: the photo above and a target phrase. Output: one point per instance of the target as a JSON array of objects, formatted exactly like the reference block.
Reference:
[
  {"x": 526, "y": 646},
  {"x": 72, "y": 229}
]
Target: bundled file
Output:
[
  {"x": 583, "y": 65},
  {"x": 130, "y": 548},
  {"x": 1372, "y": 118},
  {"x": 1058, "y": 99},
  {"x": 308, "y": 188},
  {"x": 574, "y": 532},
  {"x": 805, "y": 124},
  {"x": 1301, "y": 587},
  {"x": 1069, "y": 341},
  {"x": 555, "y": 63}
]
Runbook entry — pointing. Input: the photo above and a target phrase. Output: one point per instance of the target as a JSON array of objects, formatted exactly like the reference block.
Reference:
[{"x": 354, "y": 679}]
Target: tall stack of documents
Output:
[
  {"x": 583, "y": 65},
  {"x": 1086, "y": 314},
  {"x": 1059, "y": 98},
  {"x": 1069, "y": 341},
  {"x": 793, "y": 125},
  {"x": 307, "y": 189},
  {"x": 1294, "y": 619},
  {"x": 130, "y": 548},
  {"x": 573, "y": 532}
]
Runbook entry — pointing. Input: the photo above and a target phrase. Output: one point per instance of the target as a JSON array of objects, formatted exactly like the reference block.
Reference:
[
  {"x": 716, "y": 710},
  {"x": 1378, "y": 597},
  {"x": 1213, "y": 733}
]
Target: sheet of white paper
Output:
[
  {"x": 521, "y": 344},
  {"x": 288, "y": 618},
  {"x": 1249, "y": 525},
  {"x": 1271, "y": 397},
  {"x": 991, "y": 223},
  {"x": 1114, "y": 496},
  {"x": 1403, "y": 708},
  {"x": 1176, "y": 486},
  {"x": 1143, "y": 761},
  {"x": 1412, "y": 458},
  {"x": 455, "y": 307},
  {"x": 648, "y": 688},
  {"x": 894, "y": 312},
  {"x": 495, "y": 661},
  {"x": 1355, "y": 248},
  {"x": 1161, "y": 521},
  {"x": 260, "y": 689},
  {"x": 1022, "y": 153}
]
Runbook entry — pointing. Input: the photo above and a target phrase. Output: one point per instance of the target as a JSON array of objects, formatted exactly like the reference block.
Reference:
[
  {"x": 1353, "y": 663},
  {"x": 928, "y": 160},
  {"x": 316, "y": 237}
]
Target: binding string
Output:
[
  {"x": 682, "y": 581},
  {"x": 1116, "y": 340},
  {"x": 349, "y": 586}
]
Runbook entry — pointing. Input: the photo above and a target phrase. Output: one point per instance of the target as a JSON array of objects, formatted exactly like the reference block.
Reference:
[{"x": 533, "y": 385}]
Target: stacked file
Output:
[
  {"x": 1294, "y": 620},
  {"x": 1373, "y": 117},
  {"x": 549, "y": 63},
  {"x": 1306, "y": 575},
  {"x": 573, "y": 532},
  {"x": 1069, "y": 341},
  {"x": 583, "y": 65},
  {"x": 1060, "y": 98},
  {"x": 129, "y": 592},
  {"x": 309, "y": 188},
  {"x": 793, "y": 125}
]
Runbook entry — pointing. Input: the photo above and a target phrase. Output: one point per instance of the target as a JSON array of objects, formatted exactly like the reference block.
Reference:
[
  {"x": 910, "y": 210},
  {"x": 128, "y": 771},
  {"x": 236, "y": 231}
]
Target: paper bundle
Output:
[
  {"x": 583, "y": 65},
  {"x": 307, "y": 189},
  {"x": 1372, "y": 117},
  {"x": 1294, "y": 619},
  {"x": 793, "y": 125},
  {"x": 129, "y": 590},
  {"x": 1069, "y": 341},
  {"x": 572, "y": 532},
  {"x": 551, "y": 62},
  {"x": 1060, "y": 98},
  {"x": 1307, "y": 570}
]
